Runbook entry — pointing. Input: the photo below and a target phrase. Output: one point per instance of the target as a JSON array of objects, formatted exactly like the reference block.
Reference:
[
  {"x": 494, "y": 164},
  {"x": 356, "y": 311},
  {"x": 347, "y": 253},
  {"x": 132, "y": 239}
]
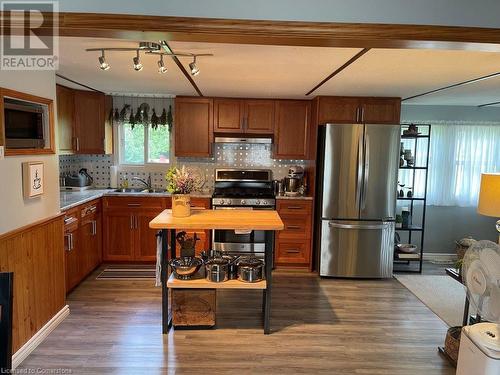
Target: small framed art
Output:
[{"x": 33, "y": 184}]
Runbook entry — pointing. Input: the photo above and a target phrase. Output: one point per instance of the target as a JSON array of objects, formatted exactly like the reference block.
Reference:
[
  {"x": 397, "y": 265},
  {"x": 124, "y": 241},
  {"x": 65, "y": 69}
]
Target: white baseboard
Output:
[
  {"x": 38, "y": 338},
  {"x": 440, "y": 256}
]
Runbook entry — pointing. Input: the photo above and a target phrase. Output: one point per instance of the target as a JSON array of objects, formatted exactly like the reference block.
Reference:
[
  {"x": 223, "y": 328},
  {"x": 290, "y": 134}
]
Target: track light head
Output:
[
  {"x": 161, "y": 66},
  {"x": 137, "y": 62},
  {"x": 102, "y": 62},
  {"x": 194, "y": 68}
]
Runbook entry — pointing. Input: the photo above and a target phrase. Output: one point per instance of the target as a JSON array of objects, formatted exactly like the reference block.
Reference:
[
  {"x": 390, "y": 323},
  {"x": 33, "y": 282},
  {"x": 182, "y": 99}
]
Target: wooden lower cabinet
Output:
[
  {"x": 293, "y": 244},
  {"x": 82, "y": 242},
  {"x": 118, "y": 235},
  {"x": 127, "y": 236},
  {"x": 71, "y": 242},
  {"x": 146, "y": 239}
]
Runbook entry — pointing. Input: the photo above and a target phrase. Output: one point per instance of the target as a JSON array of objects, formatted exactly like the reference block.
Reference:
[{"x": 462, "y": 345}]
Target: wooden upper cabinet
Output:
[
  {"x": 291, "y": 133},
  {"x": 259, "y": 116},
  {"x": 228, "y": 115},
  {"x": 65, "y": 118},
  {"x": 83, "y": 121},
  {"x": 193, "y": 127},
  {"x": 89, "y": 122},
  {"x": 338, "y": 110},
  {"x": 381, "y": 111},
  {"x": 244, "y": 116},
  {"x": 341, "y": 110}
]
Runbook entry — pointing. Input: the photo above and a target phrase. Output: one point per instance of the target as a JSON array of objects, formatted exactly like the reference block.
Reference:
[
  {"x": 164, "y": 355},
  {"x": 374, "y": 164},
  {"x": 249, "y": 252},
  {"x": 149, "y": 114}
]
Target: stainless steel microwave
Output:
[{"x": 25, "y": 124}]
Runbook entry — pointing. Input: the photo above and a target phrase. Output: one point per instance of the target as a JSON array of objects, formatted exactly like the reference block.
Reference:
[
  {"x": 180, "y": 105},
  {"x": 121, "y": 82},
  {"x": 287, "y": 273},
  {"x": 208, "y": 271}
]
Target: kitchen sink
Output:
[{"x": 139, "y": 190}]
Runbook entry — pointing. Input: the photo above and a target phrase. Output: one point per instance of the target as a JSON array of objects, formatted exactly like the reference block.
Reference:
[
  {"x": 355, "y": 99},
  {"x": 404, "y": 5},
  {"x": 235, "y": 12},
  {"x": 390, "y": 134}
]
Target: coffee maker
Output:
[{"x": 294, "y": 181}]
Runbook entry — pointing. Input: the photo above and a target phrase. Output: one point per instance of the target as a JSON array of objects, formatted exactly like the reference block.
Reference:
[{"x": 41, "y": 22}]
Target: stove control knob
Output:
[
  {"x": 257, "y": 202},
  {"x": 242, "y": 202},
  {"x": 222, "y": 202}
]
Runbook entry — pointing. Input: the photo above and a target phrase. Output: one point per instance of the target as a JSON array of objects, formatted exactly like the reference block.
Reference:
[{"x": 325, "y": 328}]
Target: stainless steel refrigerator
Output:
[{"x": 356, "y": 199}]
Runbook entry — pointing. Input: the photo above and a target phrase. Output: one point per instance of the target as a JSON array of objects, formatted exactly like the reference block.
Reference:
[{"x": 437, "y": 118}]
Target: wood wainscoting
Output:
[{"x": 35, "y": 254}]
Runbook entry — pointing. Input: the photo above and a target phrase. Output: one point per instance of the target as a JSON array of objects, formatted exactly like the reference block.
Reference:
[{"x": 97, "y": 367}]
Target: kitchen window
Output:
[{"x": 143, "y": 144}]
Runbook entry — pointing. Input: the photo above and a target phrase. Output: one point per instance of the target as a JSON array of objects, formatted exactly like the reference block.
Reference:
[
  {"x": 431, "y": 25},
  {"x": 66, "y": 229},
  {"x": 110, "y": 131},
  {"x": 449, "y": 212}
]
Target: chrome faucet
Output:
[{"x": 147, "y": 183}]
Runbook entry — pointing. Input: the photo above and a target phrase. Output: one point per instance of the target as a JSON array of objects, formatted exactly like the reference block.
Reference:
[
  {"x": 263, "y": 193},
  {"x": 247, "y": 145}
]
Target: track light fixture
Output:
[
  {"x": 102, "y": 62},
  {"x": 194, "y": 68},
  {"x": 161, "y": 66},
  {"x": 150, "y": 48},
  {"x": 137, "y": 62}
]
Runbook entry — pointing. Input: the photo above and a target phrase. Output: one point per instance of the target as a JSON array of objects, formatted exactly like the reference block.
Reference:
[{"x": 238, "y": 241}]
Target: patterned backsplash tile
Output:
[{"x": 248, "y": 156}]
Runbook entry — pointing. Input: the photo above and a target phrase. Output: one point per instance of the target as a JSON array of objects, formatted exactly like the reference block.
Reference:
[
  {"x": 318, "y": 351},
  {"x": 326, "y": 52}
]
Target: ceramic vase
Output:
[{"x": 181, "y": 205}]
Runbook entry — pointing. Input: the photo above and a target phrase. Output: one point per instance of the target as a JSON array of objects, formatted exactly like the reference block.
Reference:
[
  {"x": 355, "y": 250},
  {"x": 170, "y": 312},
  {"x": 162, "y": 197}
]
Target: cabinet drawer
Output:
[
  {"x": 90, "y": 209},
  {"x": 71, "y": 220},
  {"x": 293, "y": 253},
  {"x": 296, "y": 226},
  {"x": 134, "y": 202},
  {"x": 294, "y": 206}
]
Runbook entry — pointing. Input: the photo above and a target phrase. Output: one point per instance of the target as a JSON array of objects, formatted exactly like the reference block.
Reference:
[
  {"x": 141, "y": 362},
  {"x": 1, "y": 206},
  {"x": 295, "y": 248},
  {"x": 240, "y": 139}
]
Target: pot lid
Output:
[
  {"x": 249, "y": 262},
  {"x": 221, "y": 261}
]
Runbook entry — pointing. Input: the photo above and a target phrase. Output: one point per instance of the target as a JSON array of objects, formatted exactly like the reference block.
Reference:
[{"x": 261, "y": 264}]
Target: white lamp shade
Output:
[{"x": 489, "y": 195}]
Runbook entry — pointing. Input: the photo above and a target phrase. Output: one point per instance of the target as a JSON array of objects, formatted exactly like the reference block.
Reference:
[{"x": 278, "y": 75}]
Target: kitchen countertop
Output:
[
  {"x": 70, "y": 199},
  {"x": 220, "y": 219},
  {"x": 296, "y": 197}
]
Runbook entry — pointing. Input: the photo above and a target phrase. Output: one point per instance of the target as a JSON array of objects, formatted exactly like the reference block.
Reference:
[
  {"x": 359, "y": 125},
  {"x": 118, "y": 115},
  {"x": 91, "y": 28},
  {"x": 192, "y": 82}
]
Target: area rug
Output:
[
  {"x": 127, "y": 272},
  {"x": 443, "y": 295}
]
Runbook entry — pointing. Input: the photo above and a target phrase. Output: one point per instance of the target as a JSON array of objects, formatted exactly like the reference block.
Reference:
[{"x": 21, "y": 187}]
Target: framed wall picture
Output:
[{"x": 33, "y": 184}]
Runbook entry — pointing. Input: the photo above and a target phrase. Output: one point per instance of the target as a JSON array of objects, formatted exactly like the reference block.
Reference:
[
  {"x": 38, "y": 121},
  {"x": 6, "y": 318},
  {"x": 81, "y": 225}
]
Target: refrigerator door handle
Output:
[
  {"x": 334, "y": 224},
  {"x": 366, "y": 171},
  {"x": 359, "y": 172}
]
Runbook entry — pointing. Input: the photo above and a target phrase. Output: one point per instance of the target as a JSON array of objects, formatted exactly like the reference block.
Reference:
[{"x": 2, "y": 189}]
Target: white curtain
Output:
[{"x": 459, "y": 153}]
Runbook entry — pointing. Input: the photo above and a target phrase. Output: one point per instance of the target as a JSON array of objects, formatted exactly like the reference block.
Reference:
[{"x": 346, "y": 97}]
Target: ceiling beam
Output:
[
  {"x": 78, "y": 83},
  {"x": 169, "y": 50},
  {"x": 463, "y": 83},
  {"x": 338, "y": 70},
  {"x": 268, "y": 32},
  {"x": 487, "y": 104}
]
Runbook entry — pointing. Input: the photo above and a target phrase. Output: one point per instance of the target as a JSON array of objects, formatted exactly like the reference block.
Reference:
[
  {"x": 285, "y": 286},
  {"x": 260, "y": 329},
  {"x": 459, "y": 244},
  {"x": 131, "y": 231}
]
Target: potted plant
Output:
[
  {"x": 399, "y": 221},
  {"x": 182, "y": 182}
]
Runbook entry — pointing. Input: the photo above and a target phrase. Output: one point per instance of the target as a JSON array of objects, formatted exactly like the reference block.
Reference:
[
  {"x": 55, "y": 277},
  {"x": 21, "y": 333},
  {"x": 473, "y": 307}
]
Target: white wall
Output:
[
  {"x": 445, "y": 224},
  {"x": 482, "y": 13},
  {"x": 16, "y": 211}
]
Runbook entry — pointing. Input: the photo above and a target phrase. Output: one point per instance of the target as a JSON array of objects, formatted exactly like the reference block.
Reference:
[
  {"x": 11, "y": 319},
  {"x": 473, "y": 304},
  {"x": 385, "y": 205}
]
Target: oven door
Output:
[{"x": 240, "y": 242}]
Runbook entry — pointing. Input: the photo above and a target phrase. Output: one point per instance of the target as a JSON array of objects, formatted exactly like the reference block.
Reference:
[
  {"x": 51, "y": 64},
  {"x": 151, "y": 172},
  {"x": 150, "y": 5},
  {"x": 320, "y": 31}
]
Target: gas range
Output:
[{"x": 243, "y": 188}]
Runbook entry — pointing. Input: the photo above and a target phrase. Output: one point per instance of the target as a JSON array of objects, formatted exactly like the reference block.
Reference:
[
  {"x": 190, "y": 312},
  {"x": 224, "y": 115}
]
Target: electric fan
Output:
[{"x": 479, "y": 352}]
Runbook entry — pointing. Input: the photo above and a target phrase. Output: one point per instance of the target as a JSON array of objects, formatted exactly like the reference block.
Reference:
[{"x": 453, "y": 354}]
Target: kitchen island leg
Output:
[
  {"x": 165, "y": 306},
  {"x": 164, "y": 277},
  {"x": 267, "y": 292}
]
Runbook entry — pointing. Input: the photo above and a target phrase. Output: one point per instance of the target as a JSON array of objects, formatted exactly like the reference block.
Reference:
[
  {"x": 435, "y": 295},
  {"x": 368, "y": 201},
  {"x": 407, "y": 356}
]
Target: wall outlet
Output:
[{"x": 2, "y": 153}]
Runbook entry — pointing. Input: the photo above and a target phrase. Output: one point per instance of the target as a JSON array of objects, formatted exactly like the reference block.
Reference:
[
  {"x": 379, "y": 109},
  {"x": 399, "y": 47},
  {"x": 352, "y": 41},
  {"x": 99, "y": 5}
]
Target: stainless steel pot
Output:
[
  {"x": 217, "y": 270},
  {"x": 250, "y": 269},
  {"x": 232, "y": 267}
]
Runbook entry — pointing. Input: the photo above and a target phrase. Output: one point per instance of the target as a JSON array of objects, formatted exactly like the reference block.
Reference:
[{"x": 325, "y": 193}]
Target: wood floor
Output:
[{"x": 320, "y": 326}]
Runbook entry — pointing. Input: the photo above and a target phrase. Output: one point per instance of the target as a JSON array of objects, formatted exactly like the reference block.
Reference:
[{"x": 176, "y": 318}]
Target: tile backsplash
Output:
[{"x": 226, "y": 155}]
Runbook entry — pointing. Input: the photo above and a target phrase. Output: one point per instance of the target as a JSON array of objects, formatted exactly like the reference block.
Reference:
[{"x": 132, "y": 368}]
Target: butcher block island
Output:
[{"x": 201, "y": 219}]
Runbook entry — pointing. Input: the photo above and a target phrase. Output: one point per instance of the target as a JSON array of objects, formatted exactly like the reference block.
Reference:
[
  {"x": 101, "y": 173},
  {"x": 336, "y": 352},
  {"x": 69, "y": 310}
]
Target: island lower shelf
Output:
[{"x": 175, "y": 283}]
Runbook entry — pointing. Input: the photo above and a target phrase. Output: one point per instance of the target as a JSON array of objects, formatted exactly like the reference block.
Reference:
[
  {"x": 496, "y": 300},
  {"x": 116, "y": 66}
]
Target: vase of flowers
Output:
[{"x": 181, "y": 183}]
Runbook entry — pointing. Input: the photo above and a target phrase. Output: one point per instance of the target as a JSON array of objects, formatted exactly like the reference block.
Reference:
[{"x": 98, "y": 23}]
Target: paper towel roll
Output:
[{"x": 113, "y": 176}]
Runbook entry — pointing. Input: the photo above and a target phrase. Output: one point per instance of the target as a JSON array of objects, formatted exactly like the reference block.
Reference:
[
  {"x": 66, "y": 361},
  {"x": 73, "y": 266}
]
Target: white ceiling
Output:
[{"x": 288, "y": 72}]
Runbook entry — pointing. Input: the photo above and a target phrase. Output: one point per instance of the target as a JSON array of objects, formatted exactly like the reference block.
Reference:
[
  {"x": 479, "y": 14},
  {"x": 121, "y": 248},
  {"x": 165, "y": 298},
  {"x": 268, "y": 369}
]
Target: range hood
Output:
[{"x": 267, "y": 141}]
